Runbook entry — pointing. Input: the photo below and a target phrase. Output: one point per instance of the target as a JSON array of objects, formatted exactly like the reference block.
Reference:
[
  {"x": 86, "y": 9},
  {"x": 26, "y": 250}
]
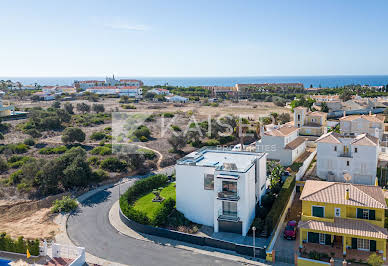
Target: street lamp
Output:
[{"x": 254, "y": 248}]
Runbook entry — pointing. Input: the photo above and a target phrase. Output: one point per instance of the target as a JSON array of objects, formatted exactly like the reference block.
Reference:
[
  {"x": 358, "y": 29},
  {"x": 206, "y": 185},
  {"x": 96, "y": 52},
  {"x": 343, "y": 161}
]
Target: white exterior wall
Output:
[
  {"x": 362, "y": 165},
  {"x": 192, "y": 199},
  {"x": 361, "y": 126}
]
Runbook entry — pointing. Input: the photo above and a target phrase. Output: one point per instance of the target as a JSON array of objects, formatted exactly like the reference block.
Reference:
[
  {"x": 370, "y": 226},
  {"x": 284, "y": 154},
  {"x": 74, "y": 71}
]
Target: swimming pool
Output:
[{"x": 4, "y": 262}]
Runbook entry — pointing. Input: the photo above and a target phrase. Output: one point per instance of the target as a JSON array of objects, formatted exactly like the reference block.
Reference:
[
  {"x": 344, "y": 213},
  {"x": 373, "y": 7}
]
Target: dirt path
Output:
[{"x": 160, "y": 156}]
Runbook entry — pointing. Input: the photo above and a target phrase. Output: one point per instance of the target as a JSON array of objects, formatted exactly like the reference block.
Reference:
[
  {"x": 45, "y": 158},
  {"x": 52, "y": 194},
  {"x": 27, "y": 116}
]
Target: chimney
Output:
[
  {"x": 347, "y": 194},
  {"x": 344, "y": 113}
]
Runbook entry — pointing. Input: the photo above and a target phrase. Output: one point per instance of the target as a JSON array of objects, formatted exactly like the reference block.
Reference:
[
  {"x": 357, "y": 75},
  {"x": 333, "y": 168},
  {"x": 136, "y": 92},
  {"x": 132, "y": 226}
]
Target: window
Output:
[
  {"x": 322, "y": 239},
  {"x": 335, "y": 148},
  {"x": 229, "y": 186},
  {"x": 229, "y": 208},
  {"x": 337, "y": 212},
  {"x": 366, "y": 214},
  {"x": 318, "y": 211},
  {"x": 208, "y": 182},
  {"x": 347, "y": 163},
  {"x": 298, "y": 118},
  {"x": 355, "y": 150},
  {"x": 363, "y": 244}
]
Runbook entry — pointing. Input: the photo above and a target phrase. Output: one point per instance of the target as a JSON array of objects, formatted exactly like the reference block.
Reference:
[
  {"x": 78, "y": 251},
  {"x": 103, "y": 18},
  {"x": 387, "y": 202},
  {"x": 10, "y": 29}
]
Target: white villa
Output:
[
  {"x": 221, "y": 188},
  {"x": 282, "y": 143},
  {"x": 358, "y": 156},
  {"x": 354, "y": 125},
  {"x": 160, "y": 91},
  {"x": 176, "y": 99}
]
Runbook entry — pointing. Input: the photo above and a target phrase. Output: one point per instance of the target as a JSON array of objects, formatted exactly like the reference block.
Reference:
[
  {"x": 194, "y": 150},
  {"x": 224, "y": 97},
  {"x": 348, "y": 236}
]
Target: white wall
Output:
[{"x": 196, "y": 203}]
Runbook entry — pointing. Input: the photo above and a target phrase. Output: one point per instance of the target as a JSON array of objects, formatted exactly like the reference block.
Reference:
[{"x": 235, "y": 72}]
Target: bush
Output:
[
  {"x": 113, "y": 164},
  {"x": 142, "y": 131},
  {"x": 17, "y": 161},
  {"x": 15, "y": 177},
  {"x": 168, "y": 115},
  {"x": 279, "y": 205},
  {"x": 226, "y": 139},
  {"x": 66, "y": 204},
  {"x": 100, "y": 175},
  {"x": 148, "y": 154},
  {"x": 93, "y": 160},
  {"x": 101, "y": 150},
  {"x": 19, "y": 246},
  {"x": 143, "y": 139},
  {"x": 175, "y": 128},
  {"x": 15, "y": 148},
  {"x": 161, "y": 215},
  {"x": 128, "y": 106},
  {"x": 98, "y": 136},
  {"x": 212, "y": 142},
  {"x": 73, "y": 134},
  {"x": 3, "y": 165},
  {"x": 53, "y": 150},
  {"x": 29, "y": 142}
]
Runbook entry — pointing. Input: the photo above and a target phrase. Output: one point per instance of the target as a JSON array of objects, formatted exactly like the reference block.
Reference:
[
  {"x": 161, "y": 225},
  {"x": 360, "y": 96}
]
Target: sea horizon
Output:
[{"x": 307, "y": 80}]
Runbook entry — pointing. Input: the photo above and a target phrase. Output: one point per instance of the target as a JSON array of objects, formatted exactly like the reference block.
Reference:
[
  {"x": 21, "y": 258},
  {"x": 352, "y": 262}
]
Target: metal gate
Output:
[{"x": 231, "y": 227}]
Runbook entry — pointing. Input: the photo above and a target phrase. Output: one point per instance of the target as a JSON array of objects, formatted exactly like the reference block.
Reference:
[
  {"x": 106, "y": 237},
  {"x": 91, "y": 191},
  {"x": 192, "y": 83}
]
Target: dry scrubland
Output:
[{"x": 20, "y": 216}]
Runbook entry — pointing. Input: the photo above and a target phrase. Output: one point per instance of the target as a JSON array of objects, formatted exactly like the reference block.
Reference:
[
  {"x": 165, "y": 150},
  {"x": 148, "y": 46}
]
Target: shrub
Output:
[
  {"x": 29, "y": 142},
  {"x": 101, "y": 150},
  {"x": 212, "y": 142},
  {"x": 15, "y": 177},
  {"x": 175, "y": 128},
  {"x": 148, "y": 154},
  {"x": 17, "y": 161},
  {"x": 53, "y": 150},
  {"x": 98, "y": 136},
  {"x": 279, "y": 205},
  {"x": 142, "y": 131},
  {"x": 73, "y": 134},
  {"x": 15, "y": 148},
  {"x": 19, "y": 246},
  {"x": 33, "y": 132},
  {"x": 100, "y": 175},
  {"x": 66, "y": 204},
  {"x": 3, "y": 165},
  {"x": 143, "y": 139},
  {"x": 1, "y": 135},
  {"x": 128, "y": 106},
  {"x": 226, "y": 139},
  {"x": 113, "y": 164},
  {"x": 93, "y": 160},
  {"x": 161, "y": 215},
  {"x": 168, "y": 115}
]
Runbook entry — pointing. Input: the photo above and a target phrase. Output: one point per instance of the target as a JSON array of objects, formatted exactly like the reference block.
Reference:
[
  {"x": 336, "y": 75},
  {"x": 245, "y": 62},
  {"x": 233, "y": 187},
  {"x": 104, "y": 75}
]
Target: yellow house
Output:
[
  {"x": 341, "y": 216},
  {"x": 310, "y": 123}
]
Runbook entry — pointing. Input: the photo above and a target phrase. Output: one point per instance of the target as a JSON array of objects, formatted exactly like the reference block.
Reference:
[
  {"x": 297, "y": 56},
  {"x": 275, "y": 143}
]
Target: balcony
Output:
[
  {"x": 228, "y": 195},
  {"x": 345, "y": 154},
  {"x": 228, "y": 216}
]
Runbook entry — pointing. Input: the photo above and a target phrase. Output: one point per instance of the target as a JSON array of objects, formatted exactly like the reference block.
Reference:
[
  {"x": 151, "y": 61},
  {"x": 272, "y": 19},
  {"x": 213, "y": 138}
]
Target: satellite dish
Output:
[{"x": 347, "y": 177}]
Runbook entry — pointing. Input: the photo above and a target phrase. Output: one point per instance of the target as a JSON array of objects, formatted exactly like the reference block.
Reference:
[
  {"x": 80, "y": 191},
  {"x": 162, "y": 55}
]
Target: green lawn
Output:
[{"x": 146, "y": 205}]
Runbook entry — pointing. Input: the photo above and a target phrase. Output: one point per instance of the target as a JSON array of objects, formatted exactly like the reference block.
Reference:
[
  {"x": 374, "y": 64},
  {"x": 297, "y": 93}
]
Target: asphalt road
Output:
[{"x": 90, "y": 228}]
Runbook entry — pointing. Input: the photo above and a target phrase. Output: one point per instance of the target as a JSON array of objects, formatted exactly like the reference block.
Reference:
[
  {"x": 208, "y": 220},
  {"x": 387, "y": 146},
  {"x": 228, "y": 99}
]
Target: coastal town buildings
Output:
[
  {"x": 357, "y": 156},
  {"x": 108, "y": 82},
  {"x": 221, "y": 188},
  {"x": 282, "y": 143},
  {"x": 159, "y": 91},
  {"x": 354, "y": 125},
  {"x": 310, "y": 123},
  {"x": 176, "y": 99},
  {"x": 343, "y": 218},
  {"x": 244, "y": 90},
  {"x": 130, "y": 91}
]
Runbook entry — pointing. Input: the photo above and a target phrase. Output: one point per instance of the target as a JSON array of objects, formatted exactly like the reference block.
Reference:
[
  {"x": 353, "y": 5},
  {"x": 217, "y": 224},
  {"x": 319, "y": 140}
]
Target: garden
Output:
[{"x": 151, "y": 201}]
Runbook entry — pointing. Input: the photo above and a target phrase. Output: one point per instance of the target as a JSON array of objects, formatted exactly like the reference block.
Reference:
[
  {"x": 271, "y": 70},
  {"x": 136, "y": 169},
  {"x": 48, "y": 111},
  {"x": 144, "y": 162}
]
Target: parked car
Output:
[{"x": 290, "y": 230}]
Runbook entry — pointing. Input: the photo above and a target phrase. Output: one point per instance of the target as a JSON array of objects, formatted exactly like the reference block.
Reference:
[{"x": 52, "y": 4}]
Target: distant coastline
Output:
[{"x": 315, "y": 81}]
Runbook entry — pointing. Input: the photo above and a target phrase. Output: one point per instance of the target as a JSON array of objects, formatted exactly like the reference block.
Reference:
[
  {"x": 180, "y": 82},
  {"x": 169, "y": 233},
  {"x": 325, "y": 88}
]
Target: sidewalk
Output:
[{"x": 116, "y": 222}]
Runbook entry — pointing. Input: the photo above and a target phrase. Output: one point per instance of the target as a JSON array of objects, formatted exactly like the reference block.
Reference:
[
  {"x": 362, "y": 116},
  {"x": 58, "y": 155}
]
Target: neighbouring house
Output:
[
  {"x": 45, "y": 95},
  {"x": 160, "y": 91},
  {"x": 310, "y": 123},
  {"x": 176, "y": 99},
  {"x": 357, "y": 156},
  {"x": 282, "y": 143},
  {"x": 354, "y": 125},
  {"x": 85, "y": 84},
  {"x": 6, "y": 109},
  {"x": 130, "y": 91},
  {"x": 343, "y": 218},
  {"x": 108, "y": 82},
  {"x": 221, "y": 188},
  {"x": 221, "y": 91}
]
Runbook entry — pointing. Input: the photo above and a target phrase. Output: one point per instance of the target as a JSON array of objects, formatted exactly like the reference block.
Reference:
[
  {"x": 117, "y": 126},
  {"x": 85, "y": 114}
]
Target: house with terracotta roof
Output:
[
  {"x": 343, "y": 219},
  {"x": 282, "y": 143},
  {"x": 357, "y": 156},
  {"x": 353, "y": 125},
  {"x": 310, "y": 123}
]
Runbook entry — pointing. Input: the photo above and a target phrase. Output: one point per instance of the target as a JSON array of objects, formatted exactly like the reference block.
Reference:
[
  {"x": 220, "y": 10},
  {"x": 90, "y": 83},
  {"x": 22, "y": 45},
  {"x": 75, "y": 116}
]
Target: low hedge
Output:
[
  {"x": 139, "y": 189},
  {"x": 53, "y": 150},
  {"x": 19, "y": 246},
  {"x": 279, "y": 205}
]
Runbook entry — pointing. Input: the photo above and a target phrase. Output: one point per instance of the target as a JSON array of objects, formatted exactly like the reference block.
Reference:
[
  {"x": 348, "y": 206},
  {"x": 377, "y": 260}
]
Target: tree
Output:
[
  {"x": 375, "y": 260},
  {"x": 345, "y": 95},
  {"x": 284, "y": 118},
  {"x": 98, "y": 108},
  {"x": 77, "y": 173},
  {"x": 83, "y": 107},
  {"x": 56, "y": 105},
  {"x": 69, "y": 108},
  {"x": 177, "y": 142},
  {"x": 324, "y": 107},
  {"x": 275, "y": 117},
  {"x": 72, "y": 134}
]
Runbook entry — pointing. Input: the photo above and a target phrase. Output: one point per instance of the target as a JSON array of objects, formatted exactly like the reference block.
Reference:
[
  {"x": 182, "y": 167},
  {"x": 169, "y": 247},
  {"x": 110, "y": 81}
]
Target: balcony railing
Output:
[
  {"x": 228, "y": 216},
  {"x": 228, "y": 195},
  {"x": 345, "y": 154}
]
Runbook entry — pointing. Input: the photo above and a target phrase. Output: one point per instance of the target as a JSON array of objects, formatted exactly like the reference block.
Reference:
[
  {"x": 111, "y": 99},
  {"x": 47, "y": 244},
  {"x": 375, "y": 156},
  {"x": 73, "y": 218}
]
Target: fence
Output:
[
  {"x": 305, "y": 166},
  {"x": 69, "y": 252},
  {"x": 193, "y": 239}
]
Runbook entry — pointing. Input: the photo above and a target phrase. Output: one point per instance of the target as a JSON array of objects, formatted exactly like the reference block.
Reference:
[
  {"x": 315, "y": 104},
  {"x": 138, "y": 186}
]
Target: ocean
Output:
[{"x": 315, "y": 81}]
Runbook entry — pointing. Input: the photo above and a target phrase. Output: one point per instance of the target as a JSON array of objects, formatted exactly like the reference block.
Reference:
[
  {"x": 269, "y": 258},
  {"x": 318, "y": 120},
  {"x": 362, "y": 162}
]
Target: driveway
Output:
[
  {"x": 90, "y": 228},
  {"x": 285, "y": 249}
]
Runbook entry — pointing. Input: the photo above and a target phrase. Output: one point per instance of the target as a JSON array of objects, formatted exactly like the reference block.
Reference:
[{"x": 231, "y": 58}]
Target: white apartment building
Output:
[
  {"x": 282, "y": 143},
  {"x": 358, "y": 156},
  {"x": 130, "y": 91},
  {"x": 354, "y": 125},
  {"x": 176, "y": 99},
  {"x": 86, "y": 84},
  {"x": 221, "y": 188}
]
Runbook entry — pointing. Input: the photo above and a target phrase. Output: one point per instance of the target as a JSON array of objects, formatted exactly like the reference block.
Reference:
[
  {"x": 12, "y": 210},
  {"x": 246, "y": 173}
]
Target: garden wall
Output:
[
  {"x": 193, "y": 239},
  {"x": 310, "y": 262}
]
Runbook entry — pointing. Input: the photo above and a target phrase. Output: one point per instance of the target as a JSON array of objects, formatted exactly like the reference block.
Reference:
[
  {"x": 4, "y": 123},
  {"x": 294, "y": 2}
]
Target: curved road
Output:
[{"x": 90, "y": 228}]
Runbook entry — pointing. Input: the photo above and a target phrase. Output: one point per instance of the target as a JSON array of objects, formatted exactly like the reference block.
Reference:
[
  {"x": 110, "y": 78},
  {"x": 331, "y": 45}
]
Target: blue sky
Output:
[{"x": 193, "y": 38}]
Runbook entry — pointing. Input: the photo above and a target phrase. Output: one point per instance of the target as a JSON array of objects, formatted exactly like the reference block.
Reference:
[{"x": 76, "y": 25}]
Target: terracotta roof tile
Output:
[
  {"x": 365, "y": 140},
  {"x": 335, "y": 192},
  {"x": 331, "y": 137},
  {"x": 346, "y": 226},
  {"x": 295, "y": 143}
]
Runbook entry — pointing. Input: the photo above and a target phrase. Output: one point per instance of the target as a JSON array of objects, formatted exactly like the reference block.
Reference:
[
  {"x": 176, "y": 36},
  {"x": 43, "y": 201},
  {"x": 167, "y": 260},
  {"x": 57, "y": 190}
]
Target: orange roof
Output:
[
  {"x": 91, "y": 81},
  {"x": 129, "y": 87},
  {"x": 129, "y": 80}
]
